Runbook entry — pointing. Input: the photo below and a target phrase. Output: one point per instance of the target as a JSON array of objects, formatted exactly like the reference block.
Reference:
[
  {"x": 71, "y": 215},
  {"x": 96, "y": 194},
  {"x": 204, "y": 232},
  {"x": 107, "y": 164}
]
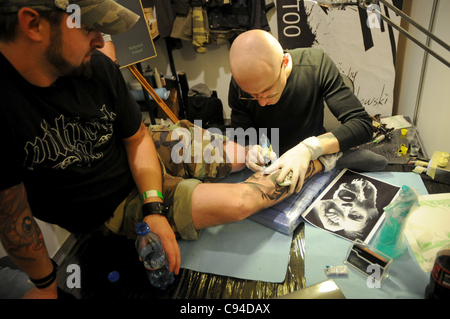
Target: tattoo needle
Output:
[{"x": 266, "y": 149}]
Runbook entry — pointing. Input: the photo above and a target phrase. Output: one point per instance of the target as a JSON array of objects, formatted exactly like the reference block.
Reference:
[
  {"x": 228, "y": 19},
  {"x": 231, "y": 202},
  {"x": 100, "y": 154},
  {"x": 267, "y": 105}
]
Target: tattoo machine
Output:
[{"x": 266, "y": 149}]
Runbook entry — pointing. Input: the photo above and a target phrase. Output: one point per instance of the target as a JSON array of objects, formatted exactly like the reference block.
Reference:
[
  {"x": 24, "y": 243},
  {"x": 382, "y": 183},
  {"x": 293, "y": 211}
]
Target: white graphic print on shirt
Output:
[{"x": 69, "y": 142}]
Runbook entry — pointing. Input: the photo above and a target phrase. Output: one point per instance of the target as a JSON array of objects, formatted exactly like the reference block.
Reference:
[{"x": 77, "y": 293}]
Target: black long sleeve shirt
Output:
[{"x": 299, "y": 113}]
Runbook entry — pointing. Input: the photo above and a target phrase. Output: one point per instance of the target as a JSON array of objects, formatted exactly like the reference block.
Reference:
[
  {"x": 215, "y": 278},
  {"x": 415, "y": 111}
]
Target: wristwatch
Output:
[{"x": 153, "y": 208}]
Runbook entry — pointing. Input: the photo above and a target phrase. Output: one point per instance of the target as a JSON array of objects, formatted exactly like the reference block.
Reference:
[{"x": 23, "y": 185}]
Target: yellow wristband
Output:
[{"x": 152, "y": 193}]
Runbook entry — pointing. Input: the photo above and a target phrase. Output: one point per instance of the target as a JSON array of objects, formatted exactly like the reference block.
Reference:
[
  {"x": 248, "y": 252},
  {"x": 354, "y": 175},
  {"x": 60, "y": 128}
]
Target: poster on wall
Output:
[
  {"x": 135, "y": 45},
  {"x": 361, "y": 45}
]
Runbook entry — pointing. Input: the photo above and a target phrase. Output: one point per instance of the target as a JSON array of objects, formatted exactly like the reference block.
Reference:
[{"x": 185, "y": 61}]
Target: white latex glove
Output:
[
  {"x": 257, "y": 157},
  {"x": 296, "y": 160}
]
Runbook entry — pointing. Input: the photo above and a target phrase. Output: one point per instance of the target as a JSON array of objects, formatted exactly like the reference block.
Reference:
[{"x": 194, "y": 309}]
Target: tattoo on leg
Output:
[
  {"x": 310, "y": 172},
  {"x": 267, "y": 186},
  {"x": 270, "y": 191},
  {"x": 19, "y": 231}
]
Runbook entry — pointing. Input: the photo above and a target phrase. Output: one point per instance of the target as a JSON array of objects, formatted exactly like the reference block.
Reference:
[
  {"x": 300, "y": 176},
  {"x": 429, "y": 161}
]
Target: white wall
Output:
[{"x": 434, "y": 108}]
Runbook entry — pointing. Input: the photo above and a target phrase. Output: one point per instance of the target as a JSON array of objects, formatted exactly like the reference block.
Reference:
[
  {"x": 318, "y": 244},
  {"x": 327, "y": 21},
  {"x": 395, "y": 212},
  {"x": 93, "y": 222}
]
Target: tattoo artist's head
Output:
[{"x": 259, "y": 66}]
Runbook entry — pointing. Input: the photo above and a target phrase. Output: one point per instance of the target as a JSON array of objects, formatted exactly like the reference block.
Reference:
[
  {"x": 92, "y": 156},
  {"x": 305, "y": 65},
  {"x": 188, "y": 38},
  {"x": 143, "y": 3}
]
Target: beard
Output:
[{"x": 55, "y": 57}]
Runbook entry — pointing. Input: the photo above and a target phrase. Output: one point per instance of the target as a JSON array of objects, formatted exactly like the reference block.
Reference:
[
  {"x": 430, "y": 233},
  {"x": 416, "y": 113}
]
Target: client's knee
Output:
[{"x": 247, "y": 203}]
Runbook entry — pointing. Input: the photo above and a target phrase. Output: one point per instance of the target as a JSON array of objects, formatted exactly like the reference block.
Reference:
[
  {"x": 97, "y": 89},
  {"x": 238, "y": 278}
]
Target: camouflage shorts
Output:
[
  {"x": 188, "y": 151},
  {"x": 188, "y": 156}
]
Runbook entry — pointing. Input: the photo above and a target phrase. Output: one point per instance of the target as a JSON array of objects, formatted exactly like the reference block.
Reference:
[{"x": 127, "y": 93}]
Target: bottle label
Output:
[
  {"x": 156, "y": 262},
  {"x": 440, "y": 275}
]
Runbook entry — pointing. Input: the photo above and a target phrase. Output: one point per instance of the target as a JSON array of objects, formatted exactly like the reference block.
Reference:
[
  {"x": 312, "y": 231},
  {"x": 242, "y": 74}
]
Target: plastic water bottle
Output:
[
  {"x": 149, "y": 247},
  {"x": 391, "y": 240},
  {"x": 439, "y": 286}
]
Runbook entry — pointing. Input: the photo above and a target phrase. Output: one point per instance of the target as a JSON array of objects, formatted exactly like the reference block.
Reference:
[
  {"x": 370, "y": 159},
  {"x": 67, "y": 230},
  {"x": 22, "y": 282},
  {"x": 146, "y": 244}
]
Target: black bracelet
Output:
[
  {"x": 48, "y": 280},
  {"x": 153, "y": 208}
]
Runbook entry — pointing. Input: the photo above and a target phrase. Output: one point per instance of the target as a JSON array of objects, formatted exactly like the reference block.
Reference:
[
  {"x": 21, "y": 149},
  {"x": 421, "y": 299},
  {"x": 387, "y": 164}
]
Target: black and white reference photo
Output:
[{"x": 351, "y": 206}]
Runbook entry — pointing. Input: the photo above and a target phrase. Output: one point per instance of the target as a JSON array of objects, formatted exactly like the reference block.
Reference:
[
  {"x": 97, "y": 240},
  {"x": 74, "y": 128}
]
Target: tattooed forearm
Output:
[
  {"x": 326, "y": 136},
  {"x": 19, "y": 232},
  {"x": 329, "y": 143}
]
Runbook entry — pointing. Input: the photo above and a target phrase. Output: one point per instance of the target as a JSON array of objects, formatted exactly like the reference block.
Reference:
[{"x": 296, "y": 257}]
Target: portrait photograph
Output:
[{"x": 351, "y": 206}]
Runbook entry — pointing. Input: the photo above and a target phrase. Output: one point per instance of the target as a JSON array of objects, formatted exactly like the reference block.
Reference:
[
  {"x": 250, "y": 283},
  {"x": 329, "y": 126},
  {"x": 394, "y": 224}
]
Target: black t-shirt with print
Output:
[{"x": 64, "y": 143}]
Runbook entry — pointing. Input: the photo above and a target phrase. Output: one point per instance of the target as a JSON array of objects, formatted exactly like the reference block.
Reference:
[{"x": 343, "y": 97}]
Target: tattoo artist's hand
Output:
[
  {"x": 256, "y": 158},
  {"x": 160, "y": 226},
  {"x": 296, "y": 160}
]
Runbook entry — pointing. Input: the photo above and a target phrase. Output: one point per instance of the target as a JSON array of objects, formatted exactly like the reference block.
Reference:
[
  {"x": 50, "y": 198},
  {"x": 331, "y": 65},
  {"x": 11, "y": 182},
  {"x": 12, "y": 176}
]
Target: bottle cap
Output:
[
  {"x": 113, "y": 276},
  {"x": 142, "y": 228}
]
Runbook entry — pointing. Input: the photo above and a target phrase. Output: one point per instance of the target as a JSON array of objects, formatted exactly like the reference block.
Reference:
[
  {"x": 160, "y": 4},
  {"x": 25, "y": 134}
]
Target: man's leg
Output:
[
  {"x": 236, "y": 155},
  {"x": 220, "y": 203}
]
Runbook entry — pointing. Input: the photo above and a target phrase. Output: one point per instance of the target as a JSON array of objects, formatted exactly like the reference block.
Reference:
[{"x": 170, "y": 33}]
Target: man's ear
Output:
[
  {"x": 30, "y": 22},
  {"x": 285, "y": 59}
]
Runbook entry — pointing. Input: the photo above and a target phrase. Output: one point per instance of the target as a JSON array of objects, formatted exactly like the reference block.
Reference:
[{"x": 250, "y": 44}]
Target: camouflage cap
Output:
[{"x": 106, "y": 16}]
